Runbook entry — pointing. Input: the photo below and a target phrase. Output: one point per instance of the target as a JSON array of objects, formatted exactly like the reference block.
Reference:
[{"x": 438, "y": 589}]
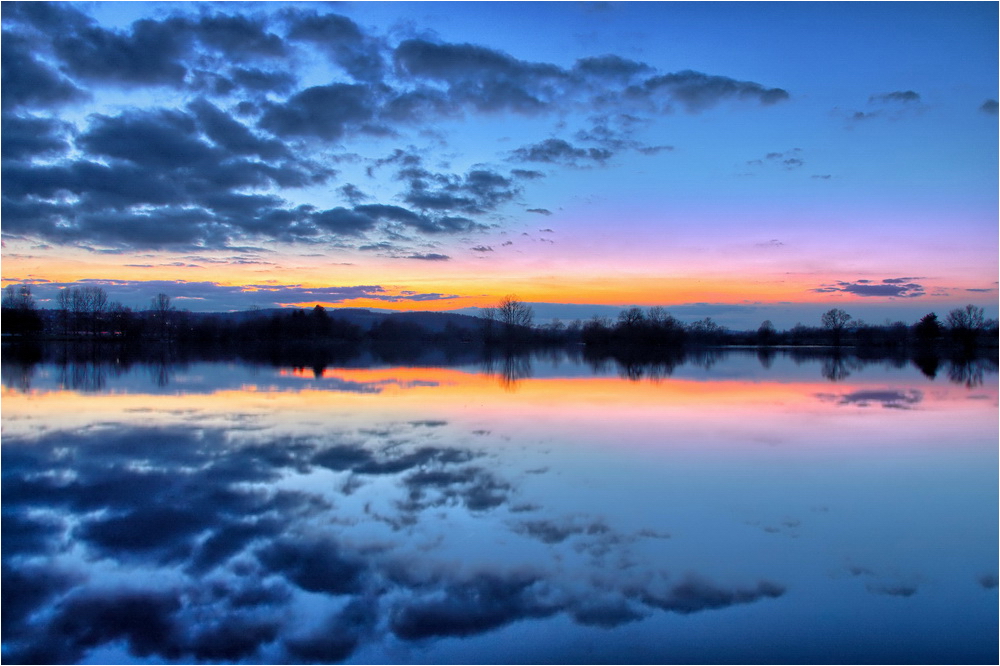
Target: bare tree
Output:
[
  {"x": 513, "y": 313},
  {"x": 18, "y": 297},
  {"x": 489, "y": 317},
  {"x": 969, "y": 318},
  {"x": 966, "y": 324},
  {"x": 65, "y": 303},
  {"x": 836, "y": 321},
  {"x": 161, "y": 314},
  {"x": 631, "y": 317},
  {"x": 20, "y": 316}
]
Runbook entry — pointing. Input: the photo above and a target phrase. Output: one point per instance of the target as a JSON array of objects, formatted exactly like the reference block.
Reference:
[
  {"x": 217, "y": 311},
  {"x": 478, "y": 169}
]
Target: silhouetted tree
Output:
[
  {"x": 162, "y": 315},
  {"x": 927, "y": 331},
  {"x": 835, "y": 321},
  {"x": 489, "y": 317},
  {"x": 65, "y": 301},
  {"x": 513, "y": 316},
  {"x": 631, "y": 318},
  {"x": 321, "y": 322},
  {"x": 597, "y": 331},
  {"x": 766, "y": 334},
  {"x": 966, "y": 324},
  {"x": 20, "y": 316},
  {"x": 512, "y": 312},
  {"x": 706, "y": 331}
]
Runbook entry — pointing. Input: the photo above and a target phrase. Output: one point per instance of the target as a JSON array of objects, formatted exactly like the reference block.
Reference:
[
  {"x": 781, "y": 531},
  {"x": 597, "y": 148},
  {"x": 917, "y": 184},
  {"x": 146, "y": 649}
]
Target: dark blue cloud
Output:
[
  {"x": 898, "y": 96},
  {"x": 887, "y": 288}
]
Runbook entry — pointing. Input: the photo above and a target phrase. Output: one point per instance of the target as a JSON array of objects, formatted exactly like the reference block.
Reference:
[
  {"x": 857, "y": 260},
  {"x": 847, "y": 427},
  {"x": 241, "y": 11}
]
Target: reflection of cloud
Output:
[
  {"x": 694, "y": 594},
  {"x": 887, "y": 399},
  {"x": 208, "y": 551},
  {"x": 484, "y": 602},
  {"x": 549, "y": 531},
  {"x": 429, "y": 423},
  {"x": 989, "y": 581},
  {"x": 313, "y": 565}
]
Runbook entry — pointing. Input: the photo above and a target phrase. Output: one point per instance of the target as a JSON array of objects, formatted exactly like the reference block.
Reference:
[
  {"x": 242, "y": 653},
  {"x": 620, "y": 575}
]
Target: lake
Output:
[{"x": 716, "y": 507}]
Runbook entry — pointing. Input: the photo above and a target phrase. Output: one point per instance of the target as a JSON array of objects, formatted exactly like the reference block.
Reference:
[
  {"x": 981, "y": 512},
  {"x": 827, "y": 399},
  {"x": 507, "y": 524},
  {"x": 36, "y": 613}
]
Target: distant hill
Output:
[{"x": 432, "y": 322}]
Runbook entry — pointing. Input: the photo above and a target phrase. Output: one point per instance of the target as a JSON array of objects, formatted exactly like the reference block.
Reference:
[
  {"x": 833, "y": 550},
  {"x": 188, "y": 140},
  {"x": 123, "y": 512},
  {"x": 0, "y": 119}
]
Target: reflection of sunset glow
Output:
[{"x": 589, "y": 408}]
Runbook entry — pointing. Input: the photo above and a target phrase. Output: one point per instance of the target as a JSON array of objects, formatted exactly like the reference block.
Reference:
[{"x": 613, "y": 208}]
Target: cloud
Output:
[
  {"x": 254, "y": 79},
  {"x": 325, "y": 112},
  {"x": 540, "y": 211},
  {"x": 887, "y": 288},
  {"x": 861, "y": 115},
  {"x": 29, "y": 83},
  {"x": 989, "y": 107},
  {"x": 557, "y": 151},
  {"x": 481, "y": 78},
  {"x": 611, "y": 66},
  {"x": 342, "y": 40},
  {"x": 429, "y": 256},
  {"x": 28, "y": 137},
  {"x": 789, "y": 159},
  {"x": 482, "y": 248},
  {"x": 696, "y": 91},
  {"x": 898, "y": 96},
  {"x": 212, "y": 296}
]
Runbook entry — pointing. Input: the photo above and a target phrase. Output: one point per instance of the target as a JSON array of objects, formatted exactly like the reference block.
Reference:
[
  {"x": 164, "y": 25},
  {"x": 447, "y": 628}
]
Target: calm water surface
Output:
[{"x": 728, "y": 508}]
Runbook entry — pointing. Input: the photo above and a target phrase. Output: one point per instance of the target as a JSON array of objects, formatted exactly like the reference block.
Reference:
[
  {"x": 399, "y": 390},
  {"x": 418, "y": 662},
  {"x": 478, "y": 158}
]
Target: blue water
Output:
[{"x": 723, "y": 509}]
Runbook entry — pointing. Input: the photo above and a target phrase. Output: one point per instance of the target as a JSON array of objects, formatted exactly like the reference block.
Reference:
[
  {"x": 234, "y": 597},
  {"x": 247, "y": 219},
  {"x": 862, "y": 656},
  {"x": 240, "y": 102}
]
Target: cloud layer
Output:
[{"x": 254, "y": 130}]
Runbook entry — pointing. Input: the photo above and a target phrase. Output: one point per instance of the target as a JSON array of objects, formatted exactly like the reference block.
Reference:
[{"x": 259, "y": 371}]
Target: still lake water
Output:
[{"x": 727, "y": 508}]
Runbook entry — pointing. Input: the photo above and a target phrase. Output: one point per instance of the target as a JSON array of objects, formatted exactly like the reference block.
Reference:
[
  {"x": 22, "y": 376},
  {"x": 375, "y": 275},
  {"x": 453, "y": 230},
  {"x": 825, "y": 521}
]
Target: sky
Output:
[{"x": 743, "y": 161}]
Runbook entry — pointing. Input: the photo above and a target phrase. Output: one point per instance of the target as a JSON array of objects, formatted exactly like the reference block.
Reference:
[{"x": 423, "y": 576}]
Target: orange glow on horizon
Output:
[{"x": 458, "y": 283}]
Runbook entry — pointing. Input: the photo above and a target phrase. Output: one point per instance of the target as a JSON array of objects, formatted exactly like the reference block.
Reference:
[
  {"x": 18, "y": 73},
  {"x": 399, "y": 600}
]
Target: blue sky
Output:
[{"x": 734, "y": 159}]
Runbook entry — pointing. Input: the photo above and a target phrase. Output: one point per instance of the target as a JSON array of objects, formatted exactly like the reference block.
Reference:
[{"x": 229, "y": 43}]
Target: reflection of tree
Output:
[
  {"x": 17, "y": 374},
  {"x": 968, "y": 372},
  {"x": 83, "y": 376},
  {"x": 705, "y": 358},
  {"x": 836, "y": 368},
  {"x": 928, "y": 364},
  {"x": 509, "y": 366},
  {"x": 636, "y": 363},
  {"x": 766, "y": 357}
]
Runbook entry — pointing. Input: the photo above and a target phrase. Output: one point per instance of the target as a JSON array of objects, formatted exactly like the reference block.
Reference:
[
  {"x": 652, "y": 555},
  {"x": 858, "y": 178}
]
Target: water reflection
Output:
[
  {"x": 141, "y": 535},
  {"x": 555, "y": 507},
  {"x": 88, "y": 368}
]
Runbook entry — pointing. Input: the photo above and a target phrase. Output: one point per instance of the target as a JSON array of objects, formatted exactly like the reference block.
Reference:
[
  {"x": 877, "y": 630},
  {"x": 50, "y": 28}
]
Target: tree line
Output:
[
  {"x": 963, "y": 329},
  {"x": 86, "y": 312}
]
